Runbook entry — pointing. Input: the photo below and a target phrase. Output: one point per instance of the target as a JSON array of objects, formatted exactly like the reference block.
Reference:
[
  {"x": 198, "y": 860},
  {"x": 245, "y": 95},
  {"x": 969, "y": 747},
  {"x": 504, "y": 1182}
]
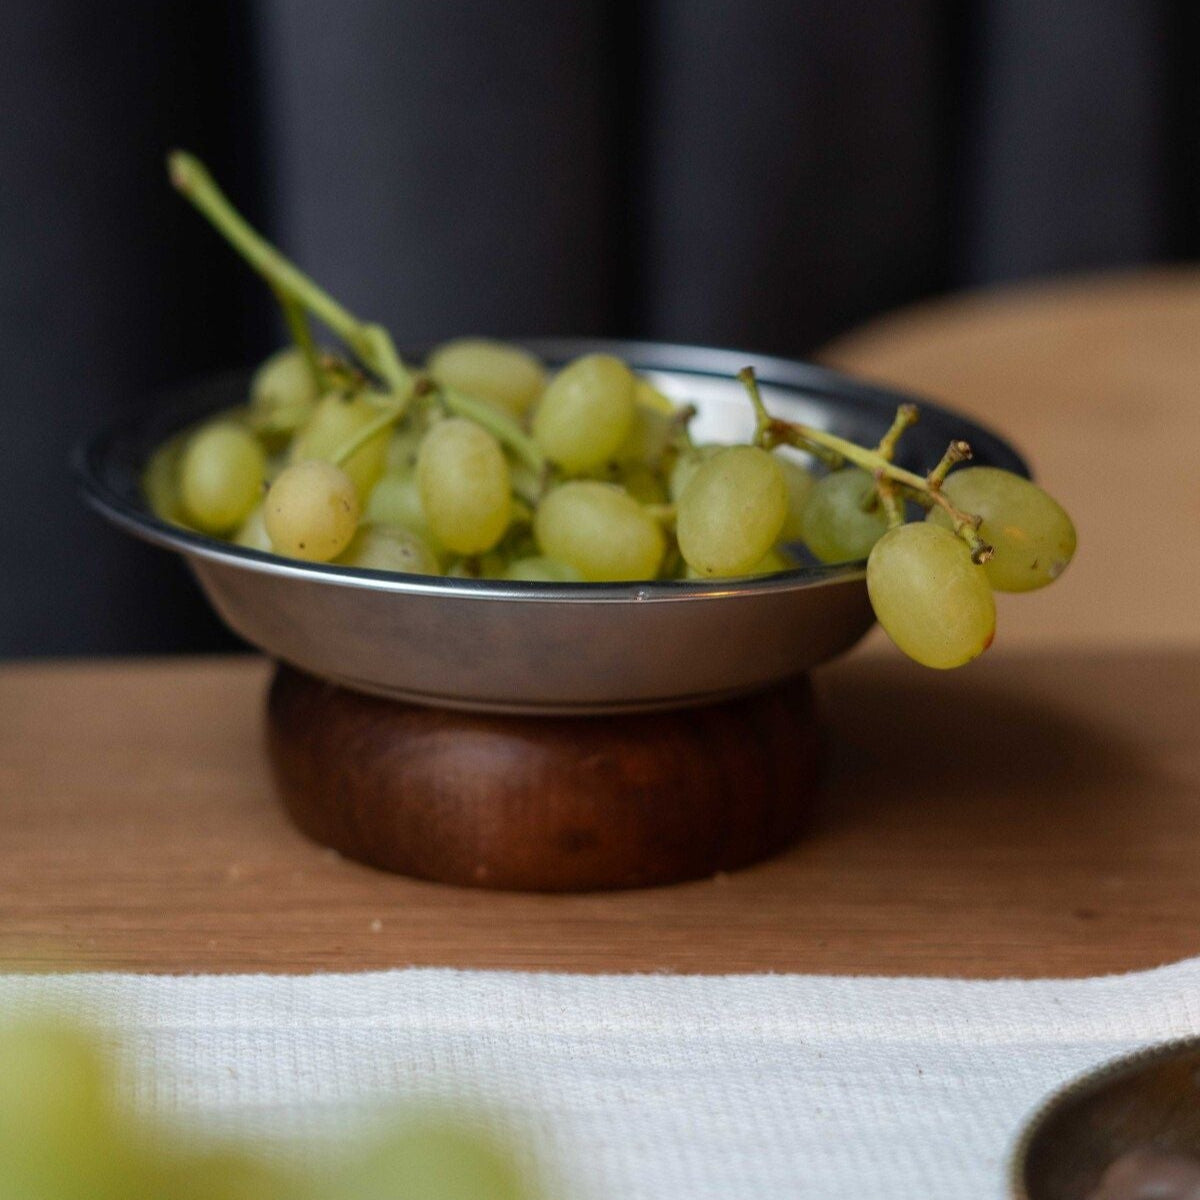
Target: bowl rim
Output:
[{"x": 92, "y": 465}]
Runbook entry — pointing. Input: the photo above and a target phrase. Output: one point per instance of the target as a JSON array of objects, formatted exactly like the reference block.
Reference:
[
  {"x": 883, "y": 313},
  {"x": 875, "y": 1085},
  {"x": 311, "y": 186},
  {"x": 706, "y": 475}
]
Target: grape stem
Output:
[
  {"x": 891, "y": 481},
  {"x": 371, "y": 344}
]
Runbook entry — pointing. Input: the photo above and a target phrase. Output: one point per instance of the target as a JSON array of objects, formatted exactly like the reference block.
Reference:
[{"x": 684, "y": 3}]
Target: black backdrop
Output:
[{"x": 762, "y": 173}]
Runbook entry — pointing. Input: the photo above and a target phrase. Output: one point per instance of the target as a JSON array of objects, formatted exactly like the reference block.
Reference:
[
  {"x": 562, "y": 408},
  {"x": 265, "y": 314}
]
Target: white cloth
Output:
[{"x": 763, "y": 1087}]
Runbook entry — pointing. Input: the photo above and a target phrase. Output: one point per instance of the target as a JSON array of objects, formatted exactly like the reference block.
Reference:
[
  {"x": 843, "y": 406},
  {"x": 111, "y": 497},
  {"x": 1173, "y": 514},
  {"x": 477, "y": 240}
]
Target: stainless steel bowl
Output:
[{"x": 532, "y": 647}]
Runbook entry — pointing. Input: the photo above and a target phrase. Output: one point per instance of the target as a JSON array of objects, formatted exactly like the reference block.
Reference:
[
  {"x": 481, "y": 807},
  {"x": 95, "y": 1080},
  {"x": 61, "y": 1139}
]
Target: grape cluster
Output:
[
  {"x": 63, "y": 1137},
  {"x": 483, "y": 463}
]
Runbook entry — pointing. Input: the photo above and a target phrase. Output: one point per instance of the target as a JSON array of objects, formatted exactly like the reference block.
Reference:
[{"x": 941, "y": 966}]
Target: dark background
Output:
[{"x": 753, "y": 173}]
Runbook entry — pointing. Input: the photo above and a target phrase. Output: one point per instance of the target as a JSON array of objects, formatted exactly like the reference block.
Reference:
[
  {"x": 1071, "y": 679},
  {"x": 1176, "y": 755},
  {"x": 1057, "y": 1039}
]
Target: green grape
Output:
[
  {"x": 396, "y": 500},
  {"x": 686, "y": 465},
  {"x": 221, "y": 476},
  {"x": 333, "y": 425},
  {"x": 58, "y": 1140},
  {"x": 539, "y": 569},
  {"x": 465, "y": 486},
  {"x": 311, "y": 511},
  {"x": 648, "y": 436},
  {"x": 731, "y": 511},
  {"x": 600, "y": 530},
  {"x": 403, "y": 447},
  {"x": 429, "y": 1162},
  {"x": 1031, "y": 534},
  {"x": 646, "y": 395},
  {"x": 380, "y": 548},
  {"x": 931, "y": 599},
  {"x": 800, "y": 484},
  {"x": 283, "y": 392},
  {"x": 775, "y": 560},
  {"x": 642, "y": 482},
  {"x": 160, "y": 482},
  {"x": 253, "y": 531},
  {"x": 504, "y": 375},
  {"x": 585, "y": 413},
  {"x": 174, "y": 1172},
  {"x": 838, "y": 526}
]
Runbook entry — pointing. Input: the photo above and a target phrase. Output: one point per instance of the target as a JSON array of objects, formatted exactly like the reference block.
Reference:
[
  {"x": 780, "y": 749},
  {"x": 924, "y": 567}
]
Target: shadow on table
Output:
[{"x": 1039, "y": 737}]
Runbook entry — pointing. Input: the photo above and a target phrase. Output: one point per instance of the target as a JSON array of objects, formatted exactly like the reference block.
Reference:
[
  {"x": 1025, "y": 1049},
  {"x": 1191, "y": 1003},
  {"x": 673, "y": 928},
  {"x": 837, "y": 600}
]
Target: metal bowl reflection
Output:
[{"x": 537, "y": 648}]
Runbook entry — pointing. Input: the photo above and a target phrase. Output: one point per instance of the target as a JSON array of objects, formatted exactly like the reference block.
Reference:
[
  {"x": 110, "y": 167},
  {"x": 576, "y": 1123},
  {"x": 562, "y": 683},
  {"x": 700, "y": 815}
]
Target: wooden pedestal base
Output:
[{"x": 558, "y": 804}]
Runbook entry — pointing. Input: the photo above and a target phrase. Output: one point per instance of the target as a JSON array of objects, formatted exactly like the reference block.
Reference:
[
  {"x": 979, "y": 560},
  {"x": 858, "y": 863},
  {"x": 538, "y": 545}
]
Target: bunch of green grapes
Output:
[
  {"x": 484, "y": 463},
  {"x": 64, "y": 1137}
]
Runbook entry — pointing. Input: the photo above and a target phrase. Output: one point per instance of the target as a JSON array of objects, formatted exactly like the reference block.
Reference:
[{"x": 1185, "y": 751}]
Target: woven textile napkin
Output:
[{"x": 640, "y": 1087}]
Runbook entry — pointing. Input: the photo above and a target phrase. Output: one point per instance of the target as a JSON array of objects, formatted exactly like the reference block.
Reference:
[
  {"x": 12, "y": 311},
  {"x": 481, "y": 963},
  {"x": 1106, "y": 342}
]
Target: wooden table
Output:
[{"x": 1035, "y": 813}]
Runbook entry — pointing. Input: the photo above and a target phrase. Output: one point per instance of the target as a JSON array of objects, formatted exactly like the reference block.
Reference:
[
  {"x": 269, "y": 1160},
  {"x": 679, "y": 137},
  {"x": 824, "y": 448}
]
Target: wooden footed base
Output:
[{"x": 556, "y": 804}]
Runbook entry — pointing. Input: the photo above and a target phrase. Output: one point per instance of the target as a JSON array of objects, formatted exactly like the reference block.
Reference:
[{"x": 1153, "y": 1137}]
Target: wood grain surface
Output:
[{"x": 1037, "y": 813}]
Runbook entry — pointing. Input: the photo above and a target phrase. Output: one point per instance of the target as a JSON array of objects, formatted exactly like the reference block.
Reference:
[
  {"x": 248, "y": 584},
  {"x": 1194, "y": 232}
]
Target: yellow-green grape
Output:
[
  {"x": 843, "y": 518},
  {"x": 160, "y": 482},
  {"x": 600, "y": 530},
  {"x": 799, "y": 485},
  {"x": 647, "y": 439},
  {"x": 646, "y": 395},
  {"x": 1031, "y": 534},
  {"x": 686, "y": 465},
  {"x": 429, "y": 1162},
  {"x": 642, "y": 482},
  {"x": 465, "y": 486},
  {"x": 57, "y": 1137},
  {"x": 930, "y": 598},
  {"x": 219, "y": 1174},
  {"x": 396, "y": 500},
  {"x": 253, "y": 531},
  {"x": 311, "y": 511},
  {"x": 585, "y": 413},
  {"x": 332, "y": 426},
  {"x": 539, "y": 569},
  {"x": 380, "y": 548},
  {"x": 403, "y": 447},
  {"x": 731, "y": 511},
  {"x": 221, "y": 475},
  {"x": 504, "y": 375},
  {"x": 283, "y": 392},
  {"x": 775, "y": 560}
]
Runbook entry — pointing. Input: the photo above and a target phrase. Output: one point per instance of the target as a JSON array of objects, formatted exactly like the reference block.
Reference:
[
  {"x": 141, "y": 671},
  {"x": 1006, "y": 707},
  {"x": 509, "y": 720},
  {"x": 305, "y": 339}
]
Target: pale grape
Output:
[
  {"x": 600, "y": 530},
  {"x": 333, "y": 425},
  {"x": 283, "y": 392},
  {"x": 731, "y": 511},
  {"x": 380, "y": 548},
  {"x": 648, "y": 437},
  {"x": 160, "y": 482},
  {"x": 842, "y": 517},
  {"x": 585, "y": 413},
  {"x": 646, "y": 395},
  {"x": 800, "y": 484},
  {"x": 57, "y": 1138},
  {"x": 221, "y": 475},
  {"x": 775, "y": 560},
  {"x": 686, "y": 465},
  {"x": 539, "y": 569},
  {"x": 930, "y": 598},
  {"x": 396, "y": 500},
  {"x": 429, "y": 1161},
  {"x": 311, "y": 511},
  {"x": 1031, "y": 534},
  {"x": 504, "y": 375},
  {"x": 465, "y": 486},
  {"x": 253, "y": 531}
]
